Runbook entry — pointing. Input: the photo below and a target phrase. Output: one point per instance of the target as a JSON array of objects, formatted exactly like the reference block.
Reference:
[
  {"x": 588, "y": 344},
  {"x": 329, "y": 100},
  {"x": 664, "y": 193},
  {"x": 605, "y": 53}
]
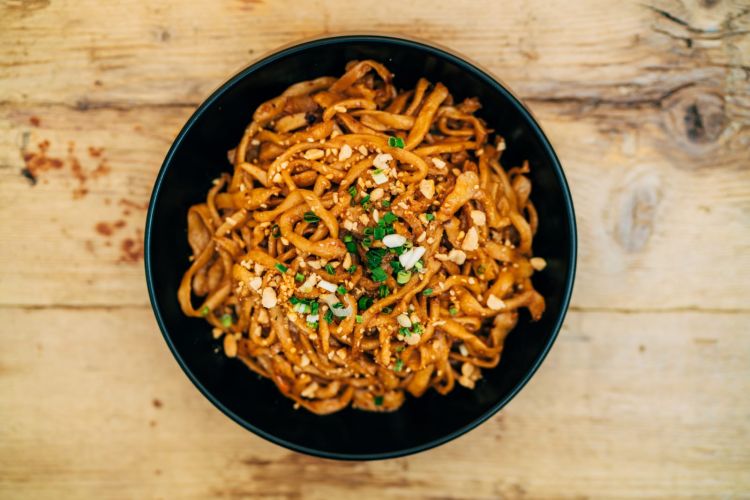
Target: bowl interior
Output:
[{"x": 199, "y": 155}]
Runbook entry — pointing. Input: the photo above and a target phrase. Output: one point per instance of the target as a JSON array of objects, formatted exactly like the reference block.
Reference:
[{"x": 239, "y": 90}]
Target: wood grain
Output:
[
  {"x": 171, "y": 51},
  {"x": 644, "y": 394},
  {"x": 647, "y": 405},
  {"x": 647, "y": 214}
]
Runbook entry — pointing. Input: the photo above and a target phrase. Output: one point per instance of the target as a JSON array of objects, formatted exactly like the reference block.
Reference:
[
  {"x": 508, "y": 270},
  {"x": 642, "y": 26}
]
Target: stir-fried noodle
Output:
[{"x": 367, "y": 244}]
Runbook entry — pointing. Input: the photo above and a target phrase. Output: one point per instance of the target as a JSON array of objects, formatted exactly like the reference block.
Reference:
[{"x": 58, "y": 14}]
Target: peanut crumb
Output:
[
  {"x": 345, "y": 153},
  {"x": 538, "y": 263}
]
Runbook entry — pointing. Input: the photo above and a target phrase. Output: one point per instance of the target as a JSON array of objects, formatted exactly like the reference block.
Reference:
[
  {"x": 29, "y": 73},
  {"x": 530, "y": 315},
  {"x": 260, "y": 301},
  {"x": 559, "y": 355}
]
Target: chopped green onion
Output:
[
  {"x": 417, "y": 328},
  {"x": 364, "y": 302},
  {"x": 396, "y": 142},
  {"x": 403, "y": 277},
  {"x": 338, "y": 305},
  {"x": 390, "y": 217},
  {"x": 328, "y": 316},
  {"x": 386, "y": 203},
  {"x": 275, "y": 231},
  {"x": 329, "y": 269},
  {"x": 352, "y": 269},
  {"x": 364, "y": 200},
  {"x": 384, "y": 291},
  {"x": 429, "y": 216},
  {"x": 398, "y": 250},
  {"x": 281, "y": 267},
  {"x": 353, "y": 191},
  {"x": 299, "y": 277},
  {"x": 205, "y": 310},
  {"x": 314, "y": 308},
  {"x": 367, "y": 241},
  {"x": 294, "y": 300},
  {"x": 379, "y": 233},
  {"x": 419, "y": 265},
  {"x": 358, "y": 318},
  {"x": 453, "y": 311},
  {"x": 313, "y": 324},
  {"x": 427, "y": 292},
  {"x": 348, "y": 238},
  {"x": 396, "y": 266},
  {"x": 399, "y": 365},
  {"x": 226, "y": 320},
  {"x": 378, "y": 400},
  {"x": 368, "y": 231},
  {"x": 404, "y": 331},
  {"x": 374, "y": 257},
  {"x": 310, "y": 217},
  {"x": 399, "y": 348},
  {"x": 387, "y": 310},
  {"x": 377, "y": 171},
  {"x": 351, "y": 247},
  {"x": 378, "y": 274},
  {"x": 341, "y": 289}
]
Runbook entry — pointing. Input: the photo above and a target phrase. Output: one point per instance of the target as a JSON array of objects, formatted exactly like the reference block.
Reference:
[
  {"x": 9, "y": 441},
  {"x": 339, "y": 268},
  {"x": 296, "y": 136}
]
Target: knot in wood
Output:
[{"x": 697, "y": 116}]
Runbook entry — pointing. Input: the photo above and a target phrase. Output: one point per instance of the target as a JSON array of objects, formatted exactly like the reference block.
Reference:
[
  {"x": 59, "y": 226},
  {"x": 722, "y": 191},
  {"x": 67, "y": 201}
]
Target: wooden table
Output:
[{"x": 647, "y": 391}]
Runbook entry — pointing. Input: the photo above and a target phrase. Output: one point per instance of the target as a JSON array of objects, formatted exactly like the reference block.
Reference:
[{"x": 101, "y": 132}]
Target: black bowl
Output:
[{"x": 198, "y": 155}]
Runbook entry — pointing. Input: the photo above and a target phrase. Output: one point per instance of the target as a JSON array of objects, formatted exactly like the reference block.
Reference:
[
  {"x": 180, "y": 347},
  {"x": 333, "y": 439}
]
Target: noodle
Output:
[{"x": 367, "y": 245}]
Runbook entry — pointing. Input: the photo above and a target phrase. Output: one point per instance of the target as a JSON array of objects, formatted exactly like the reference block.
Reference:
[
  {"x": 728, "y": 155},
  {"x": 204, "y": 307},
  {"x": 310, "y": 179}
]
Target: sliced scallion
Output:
[
  {"x": 226, "y": 320},
  {"x": 310, "y": 217},
  {"x": 396, "y": 142},
  {"x": 403, "y": 277},
  {"x": 378, "y": 274},
  {"x": 364, "y": 302}
]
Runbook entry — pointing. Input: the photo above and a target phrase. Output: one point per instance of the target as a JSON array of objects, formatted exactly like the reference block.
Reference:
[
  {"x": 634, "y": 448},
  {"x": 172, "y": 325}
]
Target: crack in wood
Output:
[
  {"x": 84, "y": 105},
  {"x": 711, "y": 34},
  {"x": 74, "y": 307},
  {"x": 573, "y": 309},
  {"x": 666, "y": 310},
  {"x": 669, "y": 16},
  {"x": 636, "y": 103}
]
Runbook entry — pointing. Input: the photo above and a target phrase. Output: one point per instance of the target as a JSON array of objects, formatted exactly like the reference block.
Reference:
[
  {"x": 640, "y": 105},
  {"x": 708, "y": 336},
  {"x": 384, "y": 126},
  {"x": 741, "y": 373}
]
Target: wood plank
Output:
[
  {"x": 650, "y": 216},
  {"x": 51, "y": 251},
  {"x": 177, "y": 52},
  {"x": 626, "y": 405}
]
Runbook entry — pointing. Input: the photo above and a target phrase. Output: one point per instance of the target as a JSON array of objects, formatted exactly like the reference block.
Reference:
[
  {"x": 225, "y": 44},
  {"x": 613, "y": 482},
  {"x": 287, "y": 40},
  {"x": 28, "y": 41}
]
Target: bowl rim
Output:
[{"x": 466, "y": 65}]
